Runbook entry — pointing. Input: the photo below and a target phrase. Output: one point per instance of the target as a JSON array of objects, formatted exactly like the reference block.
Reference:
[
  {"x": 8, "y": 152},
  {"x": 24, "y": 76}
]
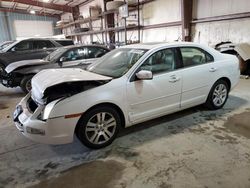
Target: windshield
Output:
[
  {"x": 117, "y": 62},
  {"x": 53, "y": 56}
]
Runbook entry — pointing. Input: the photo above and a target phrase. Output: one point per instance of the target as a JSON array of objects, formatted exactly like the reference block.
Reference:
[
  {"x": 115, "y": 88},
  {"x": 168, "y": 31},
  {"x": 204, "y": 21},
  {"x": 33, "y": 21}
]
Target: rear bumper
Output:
[
  {"x": 235, "y": 80},
  {"x": 52, "y": 131}
]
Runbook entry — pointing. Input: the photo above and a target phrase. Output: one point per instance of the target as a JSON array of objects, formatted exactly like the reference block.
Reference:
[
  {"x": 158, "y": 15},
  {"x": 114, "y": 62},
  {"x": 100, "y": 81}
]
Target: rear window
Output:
[
  {"x": 43, "y": 44},
  {"x": 65, "y": 42}
]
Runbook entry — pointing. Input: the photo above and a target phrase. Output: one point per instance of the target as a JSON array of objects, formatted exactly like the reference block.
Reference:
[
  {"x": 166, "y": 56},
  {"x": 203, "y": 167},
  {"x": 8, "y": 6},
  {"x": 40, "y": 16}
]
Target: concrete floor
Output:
[{"x": 192, "y": 148}]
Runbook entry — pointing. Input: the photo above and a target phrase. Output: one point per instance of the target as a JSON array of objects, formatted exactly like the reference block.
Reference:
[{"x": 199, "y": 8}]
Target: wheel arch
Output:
[
  {"x": 119, "y": 110},
  {"x": 227, "y": 80}
]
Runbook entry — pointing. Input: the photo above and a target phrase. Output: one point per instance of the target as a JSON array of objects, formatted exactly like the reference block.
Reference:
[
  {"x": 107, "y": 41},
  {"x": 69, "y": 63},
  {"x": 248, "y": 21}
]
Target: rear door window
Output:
[
  {"x": 192, "y": 56},
  {"x": 43, "y": 44}
]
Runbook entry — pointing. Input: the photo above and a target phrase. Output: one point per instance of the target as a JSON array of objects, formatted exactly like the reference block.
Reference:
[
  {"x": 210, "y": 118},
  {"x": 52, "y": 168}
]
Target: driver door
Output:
[
  {"x": 159, "y": 96},
  {"x": 21, "y": 51}
]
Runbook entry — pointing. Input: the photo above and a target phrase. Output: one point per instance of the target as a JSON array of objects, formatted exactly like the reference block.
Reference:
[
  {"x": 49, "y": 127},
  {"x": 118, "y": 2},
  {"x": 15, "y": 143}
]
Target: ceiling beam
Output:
[
  {"x": 14, "y": 6},
  {"x": 25, "y": 12},
  {"x": 53, "y": 6}
]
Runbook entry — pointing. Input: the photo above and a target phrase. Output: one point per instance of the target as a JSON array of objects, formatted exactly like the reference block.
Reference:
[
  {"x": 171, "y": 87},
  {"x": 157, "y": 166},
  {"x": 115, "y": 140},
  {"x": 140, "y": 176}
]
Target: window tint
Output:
[
  {"x": 194, "y": 56},
  {"x": 24, "y": 45},
  {"x": 161, "y": 61},
  {"x": 43, "y": 44},
  {"x": 75, "y": 54},
  {"x": 95, "y": 52}
]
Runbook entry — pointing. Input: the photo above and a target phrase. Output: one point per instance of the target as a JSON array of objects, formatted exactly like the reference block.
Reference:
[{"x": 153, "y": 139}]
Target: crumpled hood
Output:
[
  {"x": 18, "y": 64},
  {"x": 51, "y": 77}
]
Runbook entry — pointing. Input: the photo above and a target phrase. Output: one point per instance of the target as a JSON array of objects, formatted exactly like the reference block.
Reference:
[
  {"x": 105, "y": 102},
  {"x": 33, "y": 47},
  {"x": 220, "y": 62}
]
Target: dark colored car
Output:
[
  {"x": 27, "y": 49},
  {"x": 20, "y": 73},
  {"x": 5, "y": 44},
  {"x": 65, "y": 42}
]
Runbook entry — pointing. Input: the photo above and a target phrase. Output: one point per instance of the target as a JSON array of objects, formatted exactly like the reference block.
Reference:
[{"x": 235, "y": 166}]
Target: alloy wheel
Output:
[
  {"x": 219, "y": 95},
  {"x": 100, "y": 128}
]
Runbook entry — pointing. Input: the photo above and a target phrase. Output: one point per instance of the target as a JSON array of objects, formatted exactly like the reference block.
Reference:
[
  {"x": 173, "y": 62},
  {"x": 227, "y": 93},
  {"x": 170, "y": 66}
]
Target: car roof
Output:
[
  {"x": 84, "y": 45},
  {"x": 153, "y": 45}
]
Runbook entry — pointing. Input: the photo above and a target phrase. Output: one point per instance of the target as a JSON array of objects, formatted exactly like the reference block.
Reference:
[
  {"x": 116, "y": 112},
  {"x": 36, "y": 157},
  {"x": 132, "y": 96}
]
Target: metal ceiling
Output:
[{"x": 40, "y": 7}]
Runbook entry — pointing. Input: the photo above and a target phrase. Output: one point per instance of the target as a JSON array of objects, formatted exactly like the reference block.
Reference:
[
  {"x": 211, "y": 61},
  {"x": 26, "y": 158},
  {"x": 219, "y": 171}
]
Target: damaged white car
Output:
[{"x": 127, "y": 86}]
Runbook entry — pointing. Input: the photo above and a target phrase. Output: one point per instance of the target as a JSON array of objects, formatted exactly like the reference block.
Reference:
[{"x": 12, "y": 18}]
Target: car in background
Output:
[
  {"x": 26, "y": 49},
  {"x": 65, "y": 42},
  {"x": 20, "y": 73},
  {"x": 127, "y": 86},
  {"x": 5, "y": 44}
]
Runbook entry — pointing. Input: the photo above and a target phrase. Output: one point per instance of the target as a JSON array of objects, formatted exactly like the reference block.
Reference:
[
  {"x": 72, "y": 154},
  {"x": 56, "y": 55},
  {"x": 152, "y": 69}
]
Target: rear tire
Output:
[
  {"x": 218, "y": 95},
  {"x": 26, "y": 84},
  {"x": 98, "y": 127}
]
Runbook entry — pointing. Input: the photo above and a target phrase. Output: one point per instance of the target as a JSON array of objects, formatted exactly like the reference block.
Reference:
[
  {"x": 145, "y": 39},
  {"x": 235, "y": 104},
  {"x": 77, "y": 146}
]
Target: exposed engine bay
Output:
[{"x": 67, "y": 89}]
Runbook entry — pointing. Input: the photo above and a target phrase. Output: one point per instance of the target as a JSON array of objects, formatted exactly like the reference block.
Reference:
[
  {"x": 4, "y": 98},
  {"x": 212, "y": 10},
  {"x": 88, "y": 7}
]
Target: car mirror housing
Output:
[
  {"x": 144, "y": 75},
  {"x": 13, "y": 49},
  {"x": 62, "y": 59}
]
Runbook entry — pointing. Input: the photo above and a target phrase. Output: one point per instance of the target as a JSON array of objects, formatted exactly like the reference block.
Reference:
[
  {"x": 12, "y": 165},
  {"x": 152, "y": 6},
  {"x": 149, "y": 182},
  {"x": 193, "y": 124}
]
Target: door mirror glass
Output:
[
  {"x": 144, "y": 75},
  {"x": 13, "y": 49}
]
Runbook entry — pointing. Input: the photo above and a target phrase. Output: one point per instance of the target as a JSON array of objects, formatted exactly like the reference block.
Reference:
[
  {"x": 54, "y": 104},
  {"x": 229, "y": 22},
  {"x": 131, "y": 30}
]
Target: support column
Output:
[
  {"x": 8, "y": 29},
  {"x": 110, "y": 23},
  {"x": 76, "y": 14},
  {"x": 186, "y": 19}
]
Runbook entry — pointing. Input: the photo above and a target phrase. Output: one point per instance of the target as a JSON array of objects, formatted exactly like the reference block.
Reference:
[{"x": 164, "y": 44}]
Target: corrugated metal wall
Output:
[{"x": 7, "y": 19}]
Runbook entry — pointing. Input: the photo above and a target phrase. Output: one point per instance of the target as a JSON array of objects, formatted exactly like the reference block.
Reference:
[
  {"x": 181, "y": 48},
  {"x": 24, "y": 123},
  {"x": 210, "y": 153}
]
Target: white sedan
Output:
[{"x": 127, "y": 86}]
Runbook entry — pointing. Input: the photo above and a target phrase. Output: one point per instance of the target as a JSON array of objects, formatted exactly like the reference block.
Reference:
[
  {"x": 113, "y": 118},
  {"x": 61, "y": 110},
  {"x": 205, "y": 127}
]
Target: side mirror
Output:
[
  {"x": 13, "y": 49},
  {"x": 144, "y": 75},
  {"x": 62, "y": 59}
]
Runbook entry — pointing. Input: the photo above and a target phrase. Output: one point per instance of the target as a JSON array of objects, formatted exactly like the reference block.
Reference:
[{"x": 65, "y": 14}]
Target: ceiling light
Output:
[
  {"x": 32, "y": 12},
  {"x": 45, "y": 1}
]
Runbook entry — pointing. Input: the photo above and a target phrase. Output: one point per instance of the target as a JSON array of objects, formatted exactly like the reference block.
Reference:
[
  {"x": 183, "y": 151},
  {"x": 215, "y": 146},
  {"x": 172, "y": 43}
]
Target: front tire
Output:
[
  {"x": 2, "y": 67},
  {"x": 218, "y": 95},
  {"x": 98, "y": 127},
  {"x": 26, "y": 84}
]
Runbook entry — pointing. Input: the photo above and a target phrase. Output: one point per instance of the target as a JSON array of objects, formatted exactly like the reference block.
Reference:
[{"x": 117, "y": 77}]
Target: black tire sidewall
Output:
[
  {"x": 24, "y": 82},
  {"x": 209, "y": 103},
  {"x": 81, "y": 126}
]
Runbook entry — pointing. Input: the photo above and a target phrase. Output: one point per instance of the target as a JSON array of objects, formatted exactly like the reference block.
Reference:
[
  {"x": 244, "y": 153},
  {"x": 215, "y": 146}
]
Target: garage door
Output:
[{"x": 25, "y": 28}]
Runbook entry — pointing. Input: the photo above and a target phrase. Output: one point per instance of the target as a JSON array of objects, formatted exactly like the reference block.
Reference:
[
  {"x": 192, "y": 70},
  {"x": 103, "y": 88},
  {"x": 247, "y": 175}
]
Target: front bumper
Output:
[
  {"x": 9, "y": 80},
  {"x": 51, "y": 131}
]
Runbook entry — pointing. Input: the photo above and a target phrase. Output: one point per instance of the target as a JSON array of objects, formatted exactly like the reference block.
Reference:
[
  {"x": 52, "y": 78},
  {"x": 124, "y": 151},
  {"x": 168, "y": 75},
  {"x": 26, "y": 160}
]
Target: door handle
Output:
[
  {"x": 212, "y": 69},
  {"x": 173, "y": 79}
]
